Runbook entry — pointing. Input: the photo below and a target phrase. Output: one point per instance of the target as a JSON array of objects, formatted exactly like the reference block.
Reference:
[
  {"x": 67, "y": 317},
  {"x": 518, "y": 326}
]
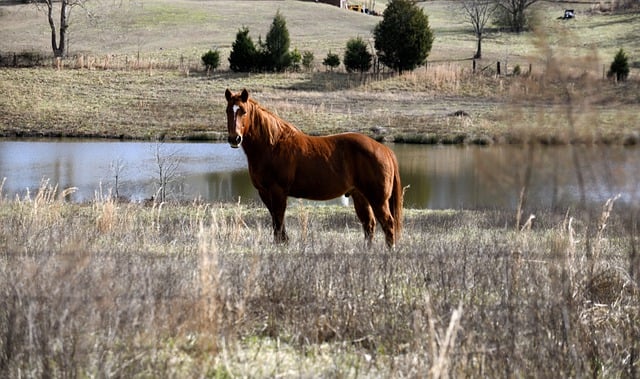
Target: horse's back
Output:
[
  {"x": 368, "y": 161},
  {"x": 356, "y": 143},
  {"x": 361, "y": 147},
  {"x": 329, "y": 166}
]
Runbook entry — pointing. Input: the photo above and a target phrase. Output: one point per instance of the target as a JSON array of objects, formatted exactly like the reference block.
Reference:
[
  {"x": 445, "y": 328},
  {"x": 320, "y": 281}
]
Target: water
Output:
[{"x": 438, "y": 177}]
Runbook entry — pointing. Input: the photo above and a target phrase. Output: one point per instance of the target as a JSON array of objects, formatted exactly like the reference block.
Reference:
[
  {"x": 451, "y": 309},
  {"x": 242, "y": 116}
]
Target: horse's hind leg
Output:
[
  {"x": 383, "y": 214},
  {"x": 365, "y": 215}
]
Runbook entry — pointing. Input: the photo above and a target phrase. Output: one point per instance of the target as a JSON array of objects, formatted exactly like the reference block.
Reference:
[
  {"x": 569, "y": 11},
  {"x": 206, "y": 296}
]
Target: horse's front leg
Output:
[{"x": 276, "y": 202}]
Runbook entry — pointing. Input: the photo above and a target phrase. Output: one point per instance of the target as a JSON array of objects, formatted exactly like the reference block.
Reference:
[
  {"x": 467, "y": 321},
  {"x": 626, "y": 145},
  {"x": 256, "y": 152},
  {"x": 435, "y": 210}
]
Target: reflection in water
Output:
[
  {"x": 493, "y": 177},
  {"x": 438, "y": 176}
]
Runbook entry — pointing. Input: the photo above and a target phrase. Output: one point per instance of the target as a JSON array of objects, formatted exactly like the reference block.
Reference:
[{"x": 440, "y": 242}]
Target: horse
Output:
[{"x": 283, "y": 161}]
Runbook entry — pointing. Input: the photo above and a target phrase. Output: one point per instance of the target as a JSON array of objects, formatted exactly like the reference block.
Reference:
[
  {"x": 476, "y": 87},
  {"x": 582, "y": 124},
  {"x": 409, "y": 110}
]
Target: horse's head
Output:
[{"x": 236, "y": 112}]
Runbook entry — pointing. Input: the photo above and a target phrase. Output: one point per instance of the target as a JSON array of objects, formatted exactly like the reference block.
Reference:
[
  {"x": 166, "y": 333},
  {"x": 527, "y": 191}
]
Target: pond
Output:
[{"x": 437, "y": 177}]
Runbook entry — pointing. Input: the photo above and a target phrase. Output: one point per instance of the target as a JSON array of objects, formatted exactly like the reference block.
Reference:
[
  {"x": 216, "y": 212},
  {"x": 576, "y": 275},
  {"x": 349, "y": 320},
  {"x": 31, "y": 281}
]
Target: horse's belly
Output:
[{"x": 318, "y": 191}]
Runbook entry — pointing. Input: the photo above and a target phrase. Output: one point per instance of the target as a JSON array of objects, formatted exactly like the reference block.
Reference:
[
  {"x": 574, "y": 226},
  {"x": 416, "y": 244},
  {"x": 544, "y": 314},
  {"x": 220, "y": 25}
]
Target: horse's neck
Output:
[
  {"x": 269, "y": 127},
  {"x": 268, "y": 136}
]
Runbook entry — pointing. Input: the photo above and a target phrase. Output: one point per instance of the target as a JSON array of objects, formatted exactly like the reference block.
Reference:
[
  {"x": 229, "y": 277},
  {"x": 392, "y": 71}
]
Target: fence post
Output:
[
  {"x": 498, "y": 68},
  {"x": 474, "y": 66}
]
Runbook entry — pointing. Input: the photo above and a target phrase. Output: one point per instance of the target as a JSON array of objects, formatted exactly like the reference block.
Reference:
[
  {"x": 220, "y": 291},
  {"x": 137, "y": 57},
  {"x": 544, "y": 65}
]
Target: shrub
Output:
[
  {"x": 332, "y": 60},
  {"x": 211, "y": 59},
  {"x": 276, "y": 47},
  {"x": 296, "y": 58},
  {"x": 517, "y": 70},
  {"x": 619, "y": 66},
  {"x": 307, "y": 60},
  {"x": 403, "y": 38},
  {"x": 357, "y": 57},
  {"x": 243, "y": 55}
]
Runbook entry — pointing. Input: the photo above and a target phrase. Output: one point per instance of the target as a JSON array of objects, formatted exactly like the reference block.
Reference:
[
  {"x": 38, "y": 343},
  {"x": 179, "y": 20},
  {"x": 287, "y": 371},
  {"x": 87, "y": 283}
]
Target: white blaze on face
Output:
[{"x": 235, "y": 110}]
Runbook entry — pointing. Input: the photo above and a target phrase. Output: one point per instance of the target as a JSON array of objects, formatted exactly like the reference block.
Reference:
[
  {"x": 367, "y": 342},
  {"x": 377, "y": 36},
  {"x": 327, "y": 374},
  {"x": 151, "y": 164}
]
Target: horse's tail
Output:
[{"x": 396, "y": 200}]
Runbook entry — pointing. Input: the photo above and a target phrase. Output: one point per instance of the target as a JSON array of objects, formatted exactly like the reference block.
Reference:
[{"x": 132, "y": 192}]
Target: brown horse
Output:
[{"x": 283, "y": 161}]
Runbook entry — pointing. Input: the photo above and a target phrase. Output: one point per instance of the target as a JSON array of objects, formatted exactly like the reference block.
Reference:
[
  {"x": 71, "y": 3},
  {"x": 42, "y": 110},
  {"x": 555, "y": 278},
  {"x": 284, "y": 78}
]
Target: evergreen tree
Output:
[
  {"x": 211, "y": 59},
  {"x": 619, "y": 67},
  {"x": 276, "y": 47},
  {"x": 243, "y": 55},
  {"x": 307, "y": 60},
  {"x": 403, "y": 38},
  {"x": 296, "y": 58},
  {"x": 332, "y": 60},
  {"x": 356, "y": 56}
]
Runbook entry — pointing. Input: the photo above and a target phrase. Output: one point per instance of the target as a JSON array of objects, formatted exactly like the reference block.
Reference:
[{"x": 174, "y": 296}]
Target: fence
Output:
[
  {"x": 193, "y": 63},
  {"x": 109, "y": 61}
]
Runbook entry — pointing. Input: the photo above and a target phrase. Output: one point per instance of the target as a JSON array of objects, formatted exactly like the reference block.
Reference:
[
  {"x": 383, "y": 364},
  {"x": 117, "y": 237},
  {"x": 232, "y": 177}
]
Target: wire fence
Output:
[
  {"x": 194, "y": 63},
  {"x": 108, "y": 61}
]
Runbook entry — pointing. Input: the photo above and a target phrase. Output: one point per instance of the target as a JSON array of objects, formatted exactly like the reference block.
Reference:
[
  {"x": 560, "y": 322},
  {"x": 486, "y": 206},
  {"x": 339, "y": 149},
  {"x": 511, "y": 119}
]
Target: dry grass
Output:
[
  {"x": 167, "y": 104},
  {"x": 157, "y": 30},
  {"x": 147, "y": 83},
  {"x": 109, "y": 289},
  {"x": 112, "y": 289}
]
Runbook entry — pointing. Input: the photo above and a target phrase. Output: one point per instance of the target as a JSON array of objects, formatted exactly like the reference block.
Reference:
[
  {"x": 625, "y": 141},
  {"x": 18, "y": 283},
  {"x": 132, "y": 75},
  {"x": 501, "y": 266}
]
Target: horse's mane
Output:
[{"x": 268, "y": 125}]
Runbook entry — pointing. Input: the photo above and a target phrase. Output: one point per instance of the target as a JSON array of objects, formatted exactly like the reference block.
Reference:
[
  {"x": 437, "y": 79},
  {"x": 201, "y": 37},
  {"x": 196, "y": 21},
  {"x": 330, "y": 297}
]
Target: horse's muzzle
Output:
[{"x": 235, "y": 141}]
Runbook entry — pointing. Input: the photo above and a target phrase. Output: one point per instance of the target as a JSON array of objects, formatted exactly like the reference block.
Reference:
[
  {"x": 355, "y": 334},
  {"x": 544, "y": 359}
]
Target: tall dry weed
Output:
[
  {"x": 442, "y": 344},
  {"x": 446, "y": 77},
  {"x": 107, "y": 212},
  {"x": 211, "y": 300}
]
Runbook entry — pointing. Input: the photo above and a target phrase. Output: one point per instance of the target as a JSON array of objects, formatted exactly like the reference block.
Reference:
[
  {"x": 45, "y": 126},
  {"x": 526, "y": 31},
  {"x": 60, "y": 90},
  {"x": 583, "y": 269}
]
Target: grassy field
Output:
[
  {"x": 108, "y": 289},
  {"x": 139, "y": 79}
]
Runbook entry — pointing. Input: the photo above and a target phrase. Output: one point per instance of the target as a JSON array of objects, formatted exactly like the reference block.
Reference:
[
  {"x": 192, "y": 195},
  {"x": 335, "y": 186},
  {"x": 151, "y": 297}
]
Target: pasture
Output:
[
  {"x": 109, "y": 289},
  {"x": 140, "y": 80}
]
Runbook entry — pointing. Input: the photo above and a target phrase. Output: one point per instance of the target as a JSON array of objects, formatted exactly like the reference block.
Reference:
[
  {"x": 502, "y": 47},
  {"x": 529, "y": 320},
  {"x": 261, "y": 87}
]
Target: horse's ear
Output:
[
  {"x": 244, "y": 95},
  {"x": 228, "y": 94}
]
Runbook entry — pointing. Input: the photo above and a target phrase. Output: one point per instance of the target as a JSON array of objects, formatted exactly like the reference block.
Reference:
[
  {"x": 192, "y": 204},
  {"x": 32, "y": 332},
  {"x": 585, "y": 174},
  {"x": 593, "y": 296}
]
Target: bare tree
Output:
[
  {"x": 478, "y": 13},
  {"x": 167, "y": 165},
  {"x": 117, "y": 167},
  {"x": 515, "y": 10},
  {"x": 59, "y": 33}
]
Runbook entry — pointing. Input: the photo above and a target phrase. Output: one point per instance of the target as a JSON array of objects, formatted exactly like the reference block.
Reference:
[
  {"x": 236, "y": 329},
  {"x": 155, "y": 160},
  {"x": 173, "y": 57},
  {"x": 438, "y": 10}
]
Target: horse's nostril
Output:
[{"x": 234, "y": 141}]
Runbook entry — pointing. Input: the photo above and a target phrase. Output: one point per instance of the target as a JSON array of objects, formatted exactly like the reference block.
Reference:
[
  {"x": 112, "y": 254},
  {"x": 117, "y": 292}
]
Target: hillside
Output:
[
  {"x": 166, "y": 29},
  {"x": 164, "y": 91}
]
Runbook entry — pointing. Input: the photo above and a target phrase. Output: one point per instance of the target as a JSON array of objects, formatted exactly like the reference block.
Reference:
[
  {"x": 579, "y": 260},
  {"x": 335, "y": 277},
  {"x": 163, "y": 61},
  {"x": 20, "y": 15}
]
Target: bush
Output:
[
  {"x": 276, "y": 48},
  {"x": 619, "y": 66},
  {"x": 307, "y": 60},
  {"x": 296, "y": 58},
  {"x": 211, "y": 59},
  {"x": 517, "y": 70},
  {"x": 243, "y": 55},
  {"x": 332, "y": 60},
  {"x": 357, "y": 57},
  {"x": 403, "y": 38}
]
